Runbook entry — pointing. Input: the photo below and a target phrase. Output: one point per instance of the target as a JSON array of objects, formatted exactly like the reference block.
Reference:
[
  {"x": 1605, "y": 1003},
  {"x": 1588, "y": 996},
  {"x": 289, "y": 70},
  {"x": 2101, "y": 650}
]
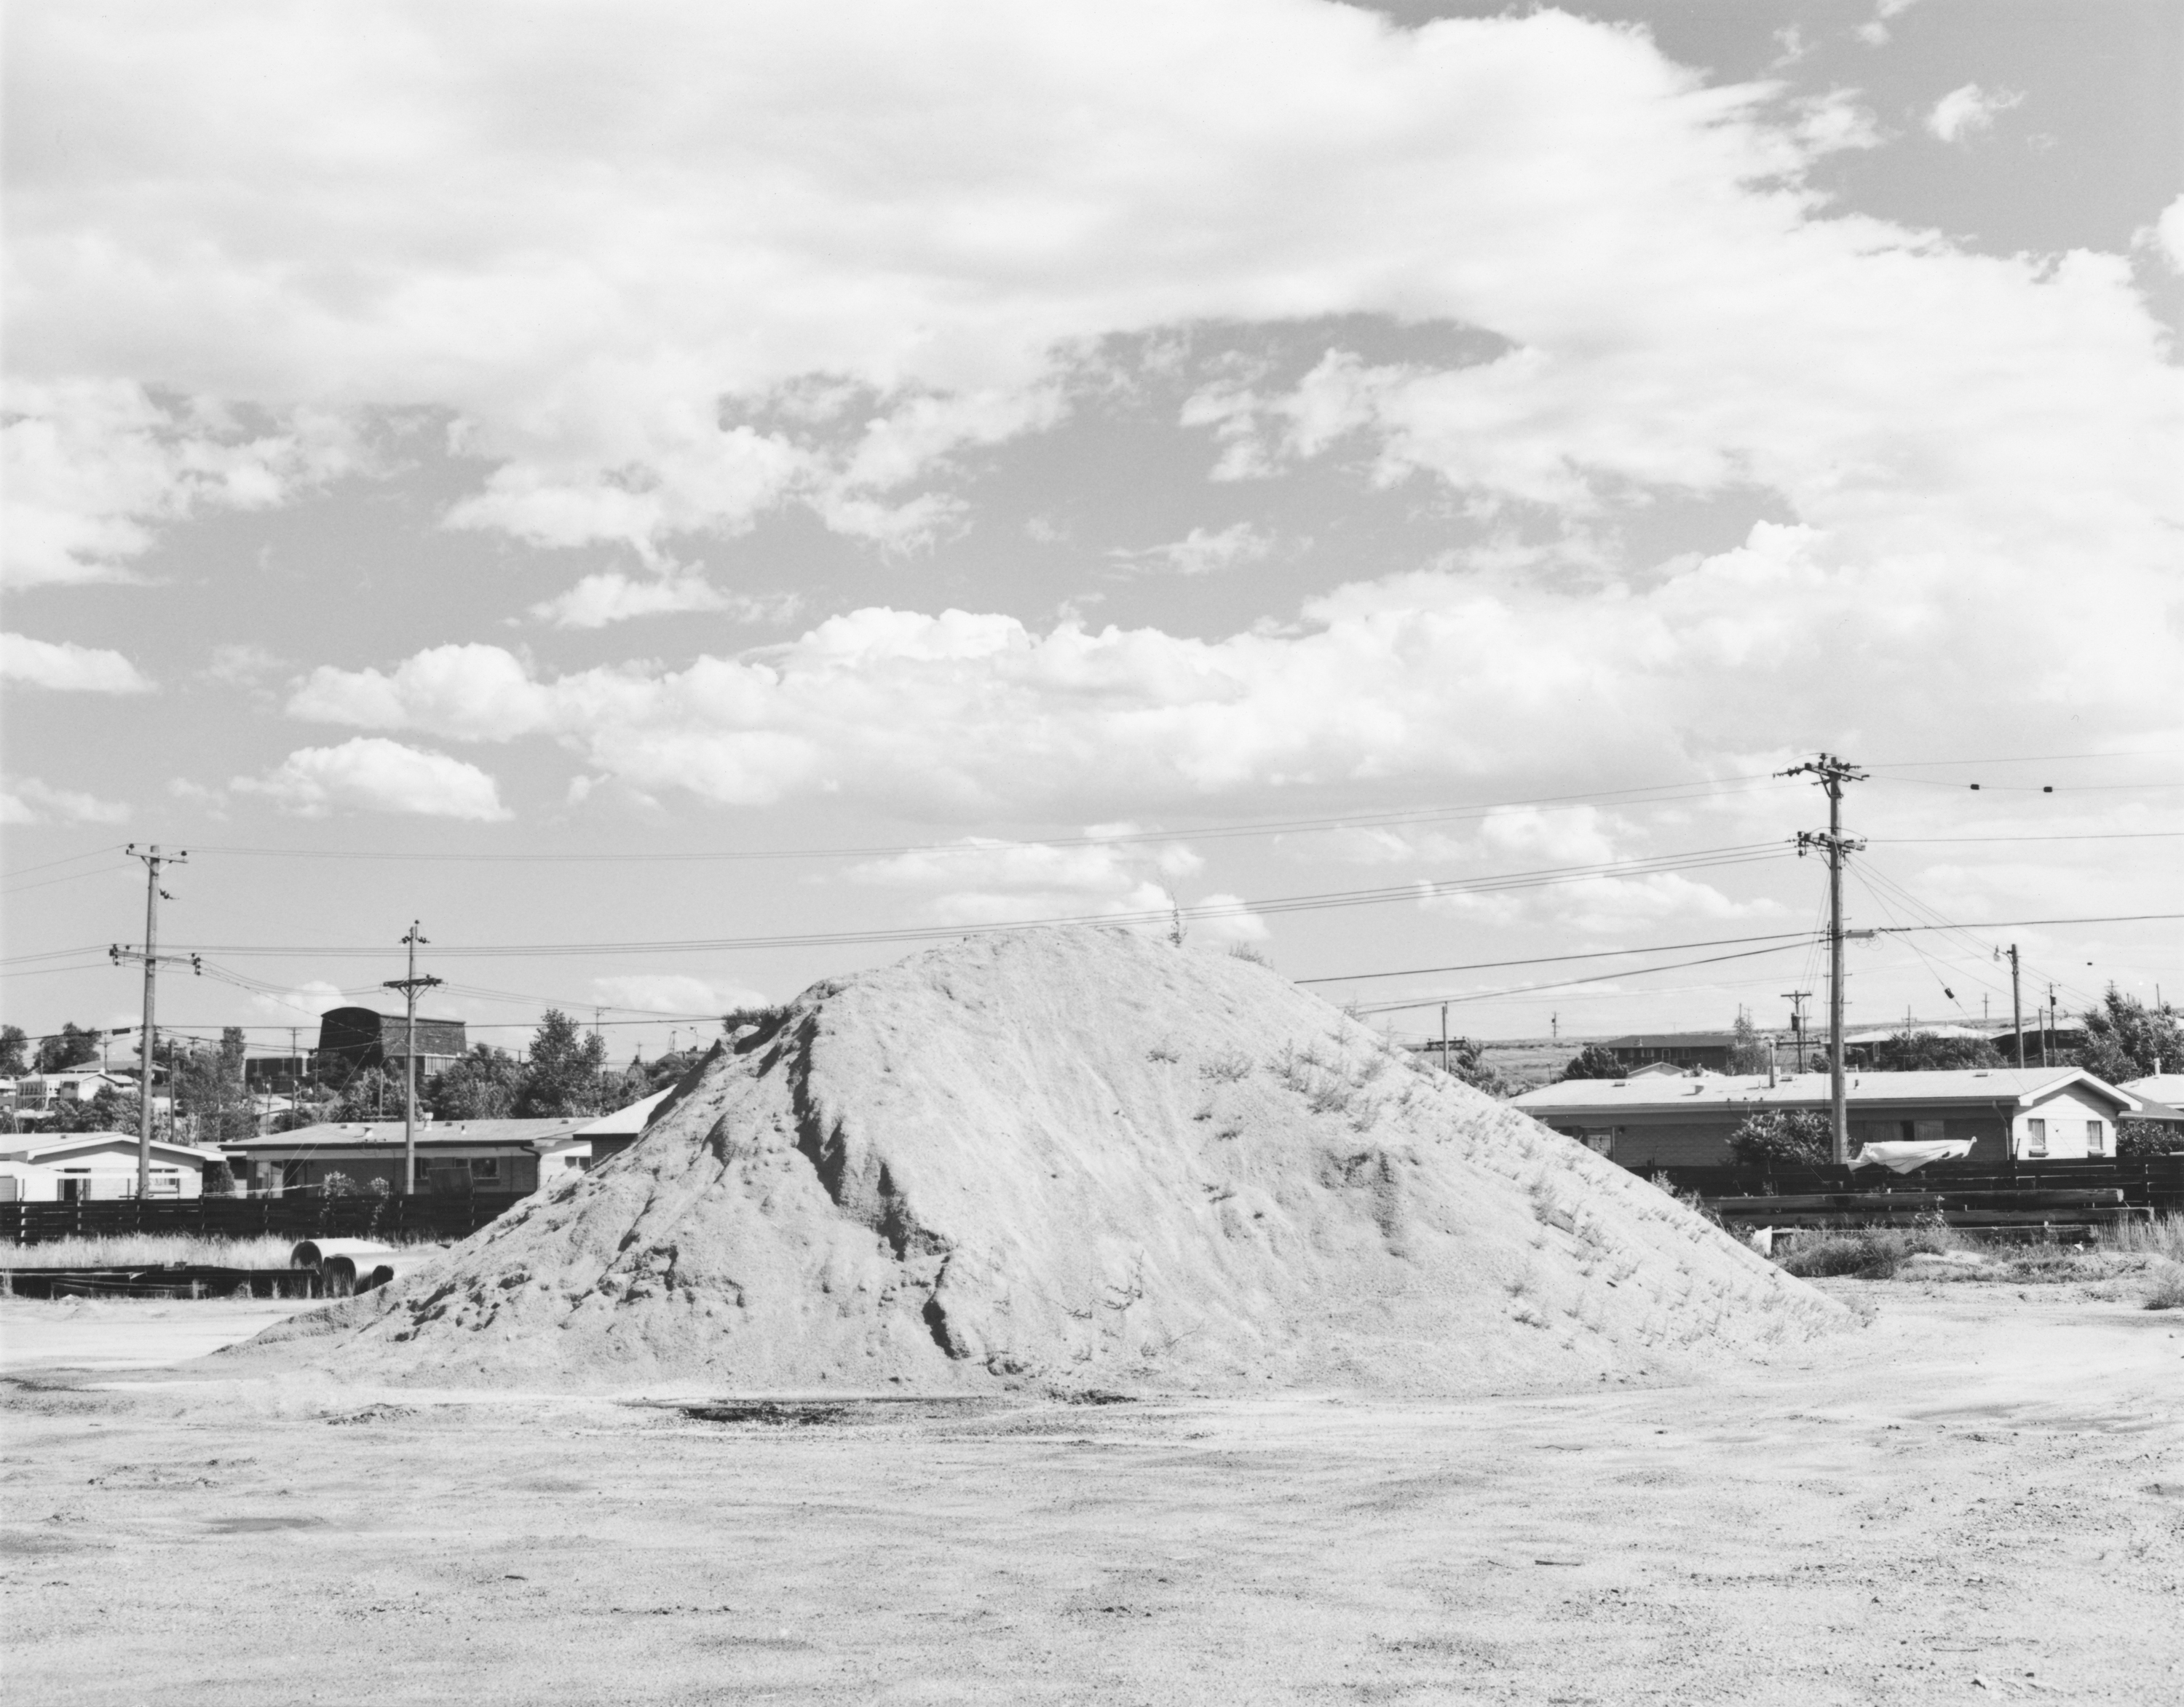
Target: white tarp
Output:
[{"x": 1902, "y": 1158}]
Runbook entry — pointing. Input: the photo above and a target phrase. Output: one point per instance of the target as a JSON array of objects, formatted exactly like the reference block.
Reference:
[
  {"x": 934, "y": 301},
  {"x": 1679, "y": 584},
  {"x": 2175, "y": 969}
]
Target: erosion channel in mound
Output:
[{"x": 1084, "y": 1157}]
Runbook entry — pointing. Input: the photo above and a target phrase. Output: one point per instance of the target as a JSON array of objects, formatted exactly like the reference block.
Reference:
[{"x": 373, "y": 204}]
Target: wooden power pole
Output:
[
  {"x": 409, "y": 987},
  {"x": 1831, "y": 773},
  {"x": 153, "y": 894}
]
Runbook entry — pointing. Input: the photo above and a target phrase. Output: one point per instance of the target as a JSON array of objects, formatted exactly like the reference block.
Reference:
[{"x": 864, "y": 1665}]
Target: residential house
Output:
[
  {"x": 456, "y": 1157},
  {"x": 81, "y": 1167},
  {"x": 612, "y": 1134},
  {"x": 2038, "y": 1114}
]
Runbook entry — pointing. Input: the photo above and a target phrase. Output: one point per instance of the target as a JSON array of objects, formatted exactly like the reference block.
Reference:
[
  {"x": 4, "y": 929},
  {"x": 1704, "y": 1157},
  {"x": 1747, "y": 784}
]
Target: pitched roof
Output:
[
  {"x": 629, "y": 1121},
  {"x": 1810, "y": 1090},
  {"x": 27, "y": 1147},
  {"x": 377, "y": 1134}
]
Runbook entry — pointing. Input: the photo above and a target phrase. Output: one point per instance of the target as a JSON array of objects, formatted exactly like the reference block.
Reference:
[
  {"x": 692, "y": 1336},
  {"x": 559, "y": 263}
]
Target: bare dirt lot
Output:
[{"x": 1978, "y": 1495}]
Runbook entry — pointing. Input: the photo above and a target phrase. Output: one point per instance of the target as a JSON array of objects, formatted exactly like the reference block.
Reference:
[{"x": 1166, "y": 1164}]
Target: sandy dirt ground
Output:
[{"x": 1978, "y": 1496}]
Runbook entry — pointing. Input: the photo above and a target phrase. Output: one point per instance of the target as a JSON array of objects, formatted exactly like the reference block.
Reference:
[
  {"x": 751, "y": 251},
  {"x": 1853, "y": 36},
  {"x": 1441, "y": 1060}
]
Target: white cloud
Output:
[
  {"x": 2168, "y": 231},
  {"x": 370, "y": 774},
  {"x": 1961, "y": 113},
  {"x": 1416, "y": 677},
  {"x": 611, "y": 597},
  {"x": 673, "y": 993},
  {"x": 835, "y": 283},
  {"x": 26, "y": 800},
  {"x": 65, "y": 666},
  {"x": 1201, "y": 552},
  {"x": 94, "y": 466},
  {"x": 1874, "y": 31},
  {"x": 985, "y": 881}
]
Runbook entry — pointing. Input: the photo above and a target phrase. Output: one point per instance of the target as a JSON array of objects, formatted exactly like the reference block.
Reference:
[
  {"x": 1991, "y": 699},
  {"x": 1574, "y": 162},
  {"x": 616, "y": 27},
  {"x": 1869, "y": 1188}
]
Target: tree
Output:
[
  {"x": 371, "y": 1094},
  {"x": 2148, "y": 1137},
  {"x": 1466, "y": 1061},
  {"x": 1748, "y": 1052},
  {"x": 209, "y": 1087},
  {"x": 1923, "y": 1051},
  {"x": 1774, "y": 1136},
  {"x": 2126, "y": 1040},
  {"x": 563, "y": 1077},
  {"x": 1595, "y": 1061},
  {"x": 69, "y": 1046},
  {"x": 14, "y": 1061},
  {"x": 483, "y": 1085}
]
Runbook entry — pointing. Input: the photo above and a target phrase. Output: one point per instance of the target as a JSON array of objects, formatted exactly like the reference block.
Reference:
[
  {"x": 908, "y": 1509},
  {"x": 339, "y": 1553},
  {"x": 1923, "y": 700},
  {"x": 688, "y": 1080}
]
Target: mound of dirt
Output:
[{"x": 1085, "y": 1157}]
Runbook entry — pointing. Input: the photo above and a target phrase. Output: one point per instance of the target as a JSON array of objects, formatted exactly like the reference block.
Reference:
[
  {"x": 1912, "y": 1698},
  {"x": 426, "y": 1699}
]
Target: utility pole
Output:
[
  {"x": 153, "y": 859},
  {"x": 1831, "y": 773},
  {"x": 1444, "y": 1037},
  {"x": 409, "y": 987},
  {"x": 2048, "y": 1040},
  {"x": 2016, "y": 1008},
  {"x": 1796, "y": 999}
]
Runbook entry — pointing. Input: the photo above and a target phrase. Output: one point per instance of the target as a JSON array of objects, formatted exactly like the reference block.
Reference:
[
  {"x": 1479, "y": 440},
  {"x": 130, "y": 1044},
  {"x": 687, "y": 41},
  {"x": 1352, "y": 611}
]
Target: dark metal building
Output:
[{"x": 352, "y": 1039}]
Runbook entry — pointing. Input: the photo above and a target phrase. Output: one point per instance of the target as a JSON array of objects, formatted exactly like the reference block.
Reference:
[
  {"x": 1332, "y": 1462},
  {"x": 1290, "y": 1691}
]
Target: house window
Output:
[
  {"x": 1926, "y": 1132},
  {"x": 2096, "y": 1138},
  {"x": 485, "y": 1167},
  {"x": 2035, "y": 1137}
]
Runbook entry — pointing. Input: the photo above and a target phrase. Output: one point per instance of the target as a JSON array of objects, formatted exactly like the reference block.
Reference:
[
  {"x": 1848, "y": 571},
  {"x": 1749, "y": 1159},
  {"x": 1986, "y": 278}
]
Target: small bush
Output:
[
  {"x": 1774, "y": 1136},
  {"x": 1865, "y": 1252},
  {"x": 2166, "y": 1290}
]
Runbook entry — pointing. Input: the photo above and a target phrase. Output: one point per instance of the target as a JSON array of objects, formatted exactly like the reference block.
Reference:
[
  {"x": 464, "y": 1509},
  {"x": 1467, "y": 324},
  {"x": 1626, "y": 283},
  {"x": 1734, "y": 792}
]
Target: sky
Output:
[{"x": 687, "y": 500}]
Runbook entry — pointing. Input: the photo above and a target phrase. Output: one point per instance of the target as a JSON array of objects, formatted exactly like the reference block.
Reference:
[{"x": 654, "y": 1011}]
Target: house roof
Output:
[
  {"x": 1673, "y": 1040},
  {"x": 2019, "y": 1087},
  {"x": 629, "y": 1121},
  {"x": 537, "y": 1134},
  {"x": 39, "y": 1149},
  {"x": 2162, "y": 1088}
]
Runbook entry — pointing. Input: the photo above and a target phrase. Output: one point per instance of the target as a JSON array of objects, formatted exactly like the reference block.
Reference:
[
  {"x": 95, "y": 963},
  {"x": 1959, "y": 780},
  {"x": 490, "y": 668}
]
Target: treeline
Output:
[{"x": 562, "y": 1072}]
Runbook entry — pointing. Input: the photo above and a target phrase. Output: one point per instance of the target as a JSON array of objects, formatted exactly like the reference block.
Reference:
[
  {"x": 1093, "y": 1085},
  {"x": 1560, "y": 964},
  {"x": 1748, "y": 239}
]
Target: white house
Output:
[
  {"x": 41, "y": 1093},
  {"x": 2034, "y": 1114},
  {"x": 80, "y": 1167}
]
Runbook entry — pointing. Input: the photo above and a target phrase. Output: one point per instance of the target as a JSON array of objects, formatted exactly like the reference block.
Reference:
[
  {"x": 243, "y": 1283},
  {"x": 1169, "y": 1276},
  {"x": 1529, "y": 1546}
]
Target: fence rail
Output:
[
  {"x": 436, "y": 1216},
  {"x": 2154, "y": 1183}
]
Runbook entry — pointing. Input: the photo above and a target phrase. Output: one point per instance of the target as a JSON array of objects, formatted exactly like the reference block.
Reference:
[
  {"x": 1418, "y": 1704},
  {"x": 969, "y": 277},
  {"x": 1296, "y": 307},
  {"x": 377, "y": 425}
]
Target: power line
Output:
[
  {"x": 1546, "y": 959},
  {"x": 1569, "y": 983},
  {"x": 1419, "y": 890}
]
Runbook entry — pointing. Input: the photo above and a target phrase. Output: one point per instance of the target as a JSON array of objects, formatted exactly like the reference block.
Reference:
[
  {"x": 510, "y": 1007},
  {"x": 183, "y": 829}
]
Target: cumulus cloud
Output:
[
  {"x": 1203, "y": 551},
  {"x": 94, "y": 465},
  {"x": 26, "y": 800},
  {"x": 835, "y": 287},
  {"x": 980, "y": 881},
  {"x": 1410, "y": 678},
  {"x": 67, "y": 666},
  {"x": 2168, "y": 232},
  {"x": 371, "y": 774},
  {"x": 1874, "y": 31},
  {"x": 612, "y": 597},
  {"x": 1964, "y": 111}
]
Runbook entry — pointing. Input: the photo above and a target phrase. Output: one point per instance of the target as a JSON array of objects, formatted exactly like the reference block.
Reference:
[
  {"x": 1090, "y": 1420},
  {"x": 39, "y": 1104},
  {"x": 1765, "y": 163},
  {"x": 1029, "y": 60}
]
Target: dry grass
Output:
[
  {"x": 145, "y": 1250},
  {"x": 2162, "y": 1237},
  {"x": 2166, "y": 1289},
  {"x": 1866, "y": 1252}
]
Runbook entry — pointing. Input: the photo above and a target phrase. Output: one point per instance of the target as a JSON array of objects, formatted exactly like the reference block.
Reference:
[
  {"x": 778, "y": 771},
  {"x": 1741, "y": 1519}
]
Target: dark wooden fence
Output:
[
  {"x": 435, "y": 1216},
  {"x": 2156, "y": 1182}
]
